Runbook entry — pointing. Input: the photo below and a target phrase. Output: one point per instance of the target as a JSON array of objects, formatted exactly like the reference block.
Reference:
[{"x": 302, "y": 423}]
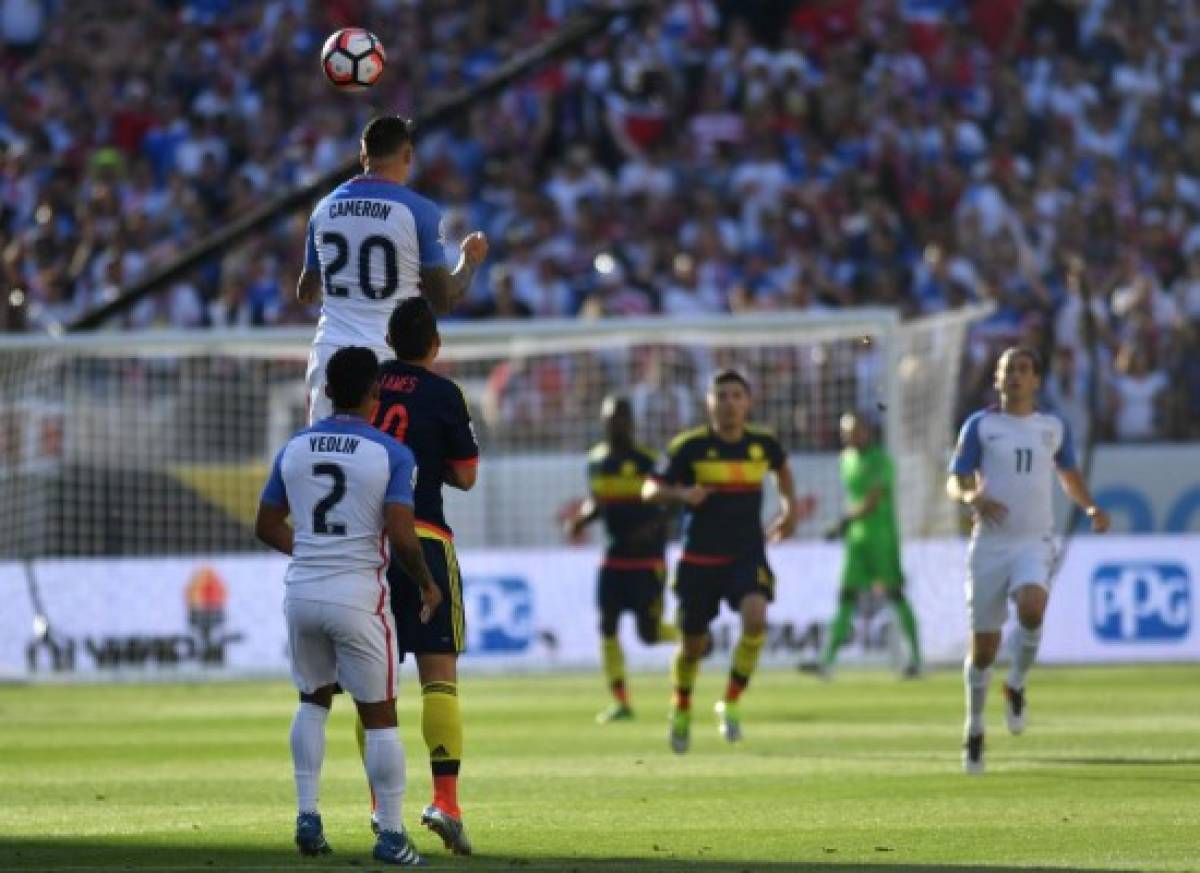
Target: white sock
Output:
[
  {"x": 977, "y": 682},
  {"x": 1024, "y": 648},
  {"x": 308, "y": 753},
  {"x": 385, "y": 770}
]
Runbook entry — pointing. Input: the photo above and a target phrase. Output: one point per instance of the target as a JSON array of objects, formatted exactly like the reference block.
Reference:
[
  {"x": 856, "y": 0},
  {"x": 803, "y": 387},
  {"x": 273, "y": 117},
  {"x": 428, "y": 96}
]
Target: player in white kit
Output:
[
  {"x": 348, "y": 489},
  {"x": 373, "y": 241},
  {"x": 1003, "y": 468}
]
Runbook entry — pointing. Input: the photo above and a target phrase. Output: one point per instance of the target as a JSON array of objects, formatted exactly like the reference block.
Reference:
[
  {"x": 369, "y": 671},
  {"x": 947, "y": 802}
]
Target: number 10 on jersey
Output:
[{"x": 394, "y": 421}]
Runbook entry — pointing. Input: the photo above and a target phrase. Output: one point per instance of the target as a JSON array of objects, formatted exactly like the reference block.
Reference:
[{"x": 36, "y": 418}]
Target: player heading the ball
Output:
[{"x": 373, "y": 241}]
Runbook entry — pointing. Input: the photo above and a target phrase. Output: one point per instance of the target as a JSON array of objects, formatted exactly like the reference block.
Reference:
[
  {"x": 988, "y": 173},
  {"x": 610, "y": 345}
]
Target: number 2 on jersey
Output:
[
  {"x": 394, "y": 421},
  {"x": 321, "y": 524}
]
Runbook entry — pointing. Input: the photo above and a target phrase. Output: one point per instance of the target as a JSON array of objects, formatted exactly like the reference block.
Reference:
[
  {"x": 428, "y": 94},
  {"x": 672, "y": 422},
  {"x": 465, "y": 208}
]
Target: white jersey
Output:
[
  {"x": 335, "y": 478},
  {"x": 1016, "y": 457},
  {"x": 369, "y": 238}
]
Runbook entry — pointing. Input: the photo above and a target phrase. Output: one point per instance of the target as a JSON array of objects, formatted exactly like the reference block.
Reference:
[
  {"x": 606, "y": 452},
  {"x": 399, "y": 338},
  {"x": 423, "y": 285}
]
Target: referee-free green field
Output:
[{"x": 861, "y": 772}]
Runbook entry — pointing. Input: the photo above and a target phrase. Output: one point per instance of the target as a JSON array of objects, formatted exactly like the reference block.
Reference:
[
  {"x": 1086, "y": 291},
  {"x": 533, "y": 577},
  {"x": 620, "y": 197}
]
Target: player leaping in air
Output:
[
  {"x": 345, "y": 486},
  {"x": 632, "y": 575},
  {"x": 716, "y": 473},
  {"x": 373, "y": 241},
  {"x": 1003, "y": 469}
]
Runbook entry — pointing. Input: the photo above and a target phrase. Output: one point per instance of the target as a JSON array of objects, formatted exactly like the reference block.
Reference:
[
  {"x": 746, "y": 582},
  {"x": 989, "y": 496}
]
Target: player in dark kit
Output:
[
  {"x": 716, "y": 472},
  {"x": 633, "y": 574},
  {"x": 428, "y": 413}
]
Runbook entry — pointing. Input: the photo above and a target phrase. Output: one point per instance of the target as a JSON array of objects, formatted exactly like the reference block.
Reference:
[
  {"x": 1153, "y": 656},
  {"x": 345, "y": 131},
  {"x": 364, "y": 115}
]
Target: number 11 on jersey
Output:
[{"x": 1024, "y": 460}]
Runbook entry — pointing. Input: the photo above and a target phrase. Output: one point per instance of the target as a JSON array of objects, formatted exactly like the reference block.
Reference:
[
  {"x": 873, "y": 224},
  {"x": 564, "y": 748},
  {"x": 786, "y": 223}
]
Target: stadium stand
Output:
[{"x": 714, "y": 157}]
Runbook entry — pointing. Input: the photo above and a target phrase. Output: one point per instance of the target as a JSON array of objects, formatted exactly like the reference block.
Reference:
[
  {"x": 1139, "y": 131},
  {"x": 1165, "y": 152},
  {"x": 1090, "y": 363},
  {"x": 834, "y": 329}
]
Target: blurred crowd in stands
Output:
[{"x": 716, "y": 156}]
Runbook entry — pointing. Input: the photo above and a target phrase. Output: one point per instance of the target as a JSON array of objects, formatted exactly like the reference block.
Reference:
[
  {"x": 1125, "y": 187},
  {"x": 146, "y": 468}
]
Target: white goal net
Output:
[{"x": 158, "y": 444}]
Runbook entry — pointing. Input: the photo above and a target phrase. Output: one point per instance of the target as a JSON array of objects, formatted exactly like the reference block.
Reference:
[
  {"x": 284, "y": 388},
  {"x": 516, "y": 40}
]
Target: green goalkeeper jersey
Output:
[{"x": 861, "y": 471}]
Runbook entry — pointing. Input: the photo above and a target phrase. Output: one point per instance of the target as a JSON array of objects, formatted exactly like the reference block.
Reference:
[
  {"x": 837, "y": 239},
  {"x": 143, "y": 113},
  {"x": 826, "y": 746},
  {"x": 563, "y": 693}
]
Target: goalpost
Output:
[
  {"x": 131, "y": 467},
  {"x": 157, "y": 444}
]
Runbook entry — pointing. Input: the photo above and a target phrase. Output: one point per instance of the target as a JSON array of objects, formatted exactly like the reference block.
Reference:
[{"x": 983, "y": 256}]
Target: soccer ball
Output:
[{"x": 352, "y": 59}]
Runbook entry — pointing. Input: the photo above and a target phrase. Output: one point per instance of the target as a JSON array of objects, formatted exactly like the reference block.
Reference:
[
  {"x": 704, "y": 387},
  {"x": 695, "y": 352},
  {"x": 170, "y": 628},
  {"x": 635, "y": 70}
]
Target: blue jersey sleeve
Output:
[
  {"x": 403, "y": 474},
  {"x": 273, "y": 492},
  {"x": 311, "y": 261},
  {"x": 1064, "y": 458},
  {"x": 429, "y": 233},
  {"x": 968, "y": 453}
]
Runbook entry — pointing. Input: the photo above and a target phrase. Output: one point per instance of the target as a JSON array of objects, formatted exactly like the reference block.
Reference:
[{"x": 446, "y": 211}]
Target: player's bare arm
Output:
[
  {"x": 784, "y": 524},
  {"x": 462, "y": 477},
  {"x": 968, "y": 489},
  {"x": 308, "y": 288},
  {"x": 271, "y": 527},
  {"x": 584, "y": 514},
  {"x": 655, "y": 491},
  {"x": 1078, "y": 491},
  {"x": 445, "y": 288},
  {"x": 403, "y": 536}
]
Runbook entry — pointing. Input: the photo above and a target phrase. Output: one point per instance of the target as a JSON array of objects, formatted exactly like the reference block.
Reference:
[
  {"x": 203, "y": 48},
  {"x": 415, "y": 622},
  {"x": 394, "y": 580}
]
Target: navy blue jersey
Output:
[
  {"x": 427, "y": 413},
  {"x": 615, "y": 478},
  {"x": 728, "y": 523}
]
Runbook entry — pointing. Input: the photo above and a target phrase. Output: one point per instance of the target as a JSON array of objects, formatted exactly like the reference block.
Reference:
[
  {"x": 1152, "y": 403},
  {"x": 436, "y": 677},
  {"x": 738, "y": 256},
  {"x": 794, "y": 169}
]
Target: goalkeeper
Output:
[{"x": 872, "y": 557}]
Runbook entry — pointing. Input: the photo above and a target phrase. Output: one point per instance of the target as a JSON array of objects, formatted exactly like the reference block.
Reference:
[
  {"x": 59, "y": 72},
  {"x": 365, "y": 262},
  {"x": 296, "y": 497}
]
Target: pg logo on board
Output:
[
  {"x": 499, "y": 614},
  {"x": 1141, "y": 602}
]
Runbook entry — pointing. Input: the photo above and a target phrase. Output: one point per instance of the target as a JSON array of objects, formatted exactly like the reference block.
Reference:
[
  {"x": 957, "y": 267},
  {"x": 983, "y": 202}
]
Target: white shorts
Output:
[
  {"x": 329, "y": 643},
  {"x": 996, "y": 569},
  {"x": 320, "y": 406}
]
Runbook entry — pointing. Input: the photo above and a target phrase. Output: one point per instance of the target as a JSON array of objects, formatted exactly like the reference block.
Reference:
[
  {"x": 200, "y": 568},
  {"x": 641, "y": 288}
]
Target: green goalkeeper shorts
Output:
[{"x": 870, "y": 562}]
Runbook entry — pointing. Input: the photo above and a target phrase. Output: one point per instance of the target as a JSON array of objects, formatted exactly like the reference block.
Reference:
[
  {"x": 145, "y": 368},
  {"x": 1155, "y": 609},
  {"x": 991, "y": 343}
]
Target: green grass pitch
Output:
[{"x": 863, "y": 772}]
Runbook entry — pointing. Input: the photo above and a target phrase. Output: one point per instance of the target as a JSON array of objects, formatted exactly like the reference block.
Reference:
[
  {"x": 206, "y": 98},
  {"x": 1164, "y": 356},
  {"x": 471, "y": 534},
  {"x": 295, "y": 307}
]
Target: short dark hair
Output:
[
  {"x": 384, "y": 135},
  {"x": 617, "y": 404},
  {"x": 412, "y": 328},
  {"x": 724, "y": 377},
  {"x": 349, "y": 375},
  {"x": 1035, "y": 359}
]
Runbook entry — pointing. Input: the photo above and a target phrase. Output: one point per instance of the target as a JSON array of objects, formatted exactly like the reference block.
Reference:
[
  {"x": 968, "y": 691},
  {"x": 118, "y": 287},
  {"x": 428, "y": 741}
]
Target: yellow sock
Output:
[
  {"x": 441, "y": 724},
  {"x": 683, "y": 677},
  {"x": 745, "y": 660},
  {"x": 668, "y": 633},
  {"x": 614, "y": 661}
]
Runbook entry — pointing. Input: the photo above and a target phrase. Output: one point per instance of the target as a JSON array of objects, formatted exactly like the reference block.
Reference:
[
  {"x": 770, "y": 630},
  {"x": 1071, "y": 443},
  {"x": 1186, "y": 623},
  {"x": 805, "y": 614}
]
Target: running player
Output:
[
  {"x": 632, "y": 575},
  {"x": 371, "y": 241},
  {"x": 345, "y": 484},
  {"x": 872, "y": 559},
  {"x": 1003, "y": 467},
  {"x": 717, "y": 472},
  {"x": 428, "y": 413}
]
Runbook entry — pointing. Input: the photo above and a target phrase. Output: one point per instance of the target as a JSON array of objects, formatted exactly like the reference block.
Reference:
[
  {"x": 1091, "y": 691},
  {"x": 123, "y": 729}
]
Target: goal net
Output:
[{"x": 136, "y": 445}]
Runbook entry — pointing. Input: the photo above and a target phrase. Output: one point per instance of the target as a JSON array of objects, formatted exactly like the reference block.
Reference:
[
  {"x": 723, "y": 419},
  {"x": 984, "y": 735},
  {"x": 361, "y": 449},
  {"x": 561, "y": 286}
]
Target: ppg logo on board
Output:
[
  {"x": 1141, "y": 601},
  {"x": 499, "y": 614}
]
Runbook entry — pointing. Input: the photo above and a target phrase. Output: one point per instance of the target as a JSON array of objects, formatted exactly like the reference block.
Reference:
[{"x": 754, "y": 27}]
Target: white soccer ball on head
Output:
[{"x": 353, "y": 59}]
